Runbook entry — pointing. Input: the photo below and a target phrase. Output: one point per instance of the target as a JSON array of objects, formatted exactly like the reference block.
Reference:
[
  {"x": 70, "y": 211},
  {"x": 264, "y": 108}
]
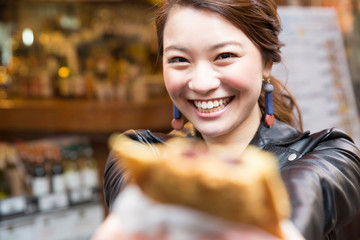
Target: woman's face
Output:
[{"x": 213, "y": 72}]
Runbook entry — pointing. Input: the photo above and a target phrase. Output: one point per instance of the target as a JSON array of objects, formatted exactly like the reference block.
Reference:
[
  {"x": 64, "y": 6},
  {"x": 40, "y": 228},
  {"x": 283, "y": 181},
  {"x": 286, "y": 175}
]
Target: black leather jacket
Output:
[{"x": 321, "y": 172}]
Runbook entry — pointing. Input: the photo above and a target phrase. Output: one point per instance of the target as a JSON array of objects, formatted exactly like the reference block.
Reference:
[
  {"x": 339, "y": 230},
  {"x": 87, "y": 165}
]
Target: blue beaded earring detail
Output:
[
  {"x": 269, "y": 113},
  {"x": 177, "y": 123}
]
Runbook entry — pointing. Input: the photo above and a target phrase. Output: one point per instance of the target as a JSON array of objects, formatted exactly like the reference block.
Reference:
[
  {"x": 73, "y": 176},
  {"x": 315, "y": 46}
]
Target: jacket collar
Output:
[{"x": 279, "y": 134}]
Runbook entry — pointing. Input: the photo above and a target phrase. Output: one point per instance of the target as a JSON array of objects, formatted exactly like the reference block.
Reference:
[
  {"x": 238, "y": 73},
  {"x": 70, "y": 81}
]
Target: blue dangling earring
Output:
[
  {"x": 269, "y": 113},
  {"x": 177, "y": 123}
]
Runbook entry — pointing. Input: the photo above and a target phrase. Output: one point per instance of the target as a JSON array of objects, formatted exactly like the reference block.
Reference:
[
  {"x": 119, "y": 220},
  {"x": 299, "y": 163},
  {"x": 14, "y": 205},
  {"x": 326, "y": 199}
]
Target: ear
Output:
[{"x": 267, "y": 68}]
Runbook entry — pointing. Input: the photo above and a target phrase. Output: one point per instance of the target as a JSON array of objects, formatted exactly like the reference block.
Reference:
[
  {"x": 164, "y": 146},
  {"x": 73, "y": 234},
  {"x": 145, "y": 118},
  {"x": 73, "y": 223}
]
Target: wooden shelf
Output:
[
  {"x": 76, "y": 116},
  {"x": 148, "y": 2}
]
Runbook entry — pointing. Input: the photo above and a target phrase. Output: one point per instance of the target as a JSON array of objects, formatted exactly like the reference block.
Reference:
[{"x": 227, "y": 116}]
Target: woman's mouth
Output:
[{"x": 211, "y": 106}]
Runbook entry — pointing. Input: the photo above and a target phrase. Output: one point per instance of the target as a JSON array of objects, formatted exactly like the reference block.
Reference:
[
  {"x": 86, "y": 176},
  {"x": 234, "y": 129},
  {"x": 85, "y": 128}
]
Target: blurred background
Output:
[{"x": 74, "y": 72}]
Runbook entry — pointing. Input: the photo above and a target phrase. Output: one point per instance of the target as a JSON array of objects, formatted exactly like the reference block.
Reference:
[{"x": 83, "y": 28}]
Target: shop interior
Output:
[{"x": 73, "y": 75}]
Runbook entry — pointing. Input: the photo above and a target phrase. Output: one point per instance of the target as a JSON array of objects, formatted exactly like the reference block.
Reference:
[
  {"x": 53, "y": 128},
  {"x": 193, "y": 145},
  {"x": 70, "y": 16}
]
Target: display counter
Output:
[{"x": 35, "y": 219}]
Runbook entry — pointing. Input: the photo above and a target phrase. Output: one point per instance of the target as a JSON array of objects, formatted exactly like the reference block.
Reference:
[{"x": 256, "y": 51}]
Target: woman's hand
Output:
[
  {"x": 110, "y": 229},
  {"x": 137, "y": 217},
  {"x": 290, "y": 232}
]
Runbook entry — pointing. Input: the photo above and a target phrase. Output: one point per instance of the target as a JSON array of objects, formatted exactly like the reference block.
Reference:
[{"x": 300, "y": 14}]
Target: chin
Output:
[{"x": 210, "y": 132}]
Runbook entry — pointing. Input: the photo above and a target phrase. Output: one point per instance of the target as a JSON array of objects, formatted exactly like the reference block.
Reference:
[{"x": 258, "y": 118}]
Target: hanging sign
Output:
[{"x": 314, "y": 67}]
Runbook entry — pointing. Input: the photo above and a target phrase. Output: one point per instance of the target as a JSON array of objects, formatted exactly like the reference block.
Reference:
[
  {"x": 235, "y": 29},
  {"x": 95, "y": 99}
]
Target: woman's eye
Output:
[
  {"x": 225, "y": 56},
  {"x": 177, "y": 60}
]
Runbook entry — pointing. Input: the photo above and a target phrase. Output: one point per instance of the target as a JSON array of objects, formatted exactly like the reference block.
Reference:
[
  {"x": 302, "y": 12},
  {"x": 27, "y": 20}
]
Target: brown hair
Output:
[{"x": 259, "y": 20}]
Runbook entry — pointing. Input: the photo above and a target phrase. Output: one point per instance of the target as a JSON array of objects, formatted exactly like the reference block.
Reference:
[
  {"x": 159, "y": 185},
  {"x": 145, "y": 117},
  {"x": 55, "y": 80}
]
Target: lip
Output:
[{"x": 210, "y": 115}]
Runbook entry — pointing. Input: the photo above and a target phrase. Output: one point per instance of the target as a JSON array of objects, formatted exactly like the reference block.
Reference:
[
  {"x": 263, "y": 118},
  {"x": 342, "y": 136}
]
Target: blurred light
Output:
[
  {"x": 28, "y": 37},
  {"x": 3, "y": 75},
  {"x": 154, "y": 1},
  {"x": 44, "y": 39},
  {"x": 3, "y": 70},
  {"x": 70, "y": 22},
  {"x": 64, "y": 72}
]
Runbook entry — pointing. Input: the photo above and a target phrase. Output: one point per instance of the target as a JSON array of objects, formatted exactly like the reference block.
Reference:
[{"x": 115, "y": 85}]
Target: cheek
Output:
[
  {"x": 244, "y": 78},
  {"x": 247, "y": 73},
  {"x": 173, "y": 81}
]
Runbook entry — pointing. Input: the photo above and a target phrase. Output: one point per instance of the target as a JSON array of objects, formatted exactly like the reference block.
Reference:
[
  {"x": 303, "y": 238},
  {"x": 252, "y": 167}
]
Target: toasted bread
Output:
[{"x": 241, "y": 187}]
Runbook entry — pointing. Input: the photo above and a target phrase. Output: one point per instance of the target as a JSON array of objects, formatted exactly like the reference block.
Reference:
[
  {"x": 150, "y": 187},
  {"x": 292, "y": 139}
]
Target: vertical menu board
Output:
[{"x": 314, "y": 67}]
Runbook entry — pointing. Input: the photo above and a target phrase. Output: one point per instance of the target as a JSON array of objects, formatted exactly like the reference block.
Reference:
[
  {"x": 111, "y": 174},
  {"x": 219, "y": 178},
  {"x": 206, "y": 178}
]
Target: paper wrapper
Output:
[{"x": 140, "y": 215}]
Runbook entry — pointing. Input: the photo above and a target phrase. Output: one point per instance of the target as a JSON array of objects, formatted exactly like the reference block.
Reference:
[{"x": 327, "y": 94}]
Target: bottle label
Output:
[
  {"x": 12, "y": 205},
  {"x": 58, "y": 183},
  {"x": 89, "y": 177},
  {"x": 72, "y": 180},
  {"x": 40, "y": 186}
]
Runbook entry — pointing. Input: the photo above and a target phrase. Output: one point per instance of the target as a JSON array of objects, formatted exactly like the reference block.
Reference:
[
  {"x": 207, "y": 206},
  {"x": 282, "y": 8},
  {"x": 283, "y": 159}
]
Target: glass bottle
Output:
[
  {"x": 40, "y": 181},
  {"x": 72, "y": 175},
  {"x": 89, "y": 170},
  {"x": 15, "y": 173},
  {"x": 4, "y": 184},
  {"x": 57, "y": 171}
]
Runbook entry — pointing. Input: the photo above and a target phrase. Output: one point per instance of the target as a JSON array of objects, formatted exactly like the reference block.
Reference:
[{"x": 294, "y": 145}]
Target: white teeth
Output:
[{"x": 204, "y": 105}]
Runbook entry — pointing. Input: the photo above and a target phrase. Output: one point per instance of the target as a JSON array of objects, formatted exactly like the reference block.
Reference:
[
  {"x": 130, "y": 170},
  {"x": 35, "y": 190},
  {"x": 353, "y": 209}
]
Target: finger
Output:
[
  {"x": 290, "y": 231},
  {"x": 109, "y": 230},
  {"x": 248, "y": 234}
]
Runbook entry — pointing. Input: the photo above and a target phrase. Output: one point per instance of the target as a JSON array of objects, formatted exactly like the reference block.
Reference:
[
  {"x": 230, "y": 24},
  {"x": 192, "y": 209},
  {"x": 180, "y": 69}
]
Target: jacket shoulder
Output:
[
  {"x": 322, "y": 175},
  {"x": 331, "y": 138}
]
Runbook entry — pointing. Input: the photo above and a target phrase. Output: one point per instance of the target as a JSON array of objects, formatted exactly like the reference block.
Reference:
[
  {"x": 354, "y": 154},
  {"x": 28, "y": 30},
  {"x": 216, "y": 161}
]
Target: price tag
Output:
[
  {"x": 81, "y": 195},
  {"x": 46, "y": 202},
  {"x": 75, "y": 196},
  {"x": 12, "y": 205},
  {"x": 61, "y": 200},
  {"x": 86, "y": 194}
]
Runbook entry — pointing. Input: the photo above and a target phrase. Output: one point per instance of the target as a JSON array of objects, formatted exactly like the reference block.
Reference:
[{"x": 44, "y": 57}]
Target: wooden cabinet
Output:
[
  {"x": 30, "y": 119},
  {"x": 83, "y": 116}
]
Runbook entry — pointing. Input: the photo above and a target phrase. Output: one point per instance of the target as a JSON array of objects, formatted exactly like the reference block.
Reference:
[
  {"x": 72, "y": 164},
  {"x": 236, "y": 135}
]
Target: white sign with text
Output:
[{"x": 314, "y": 68}]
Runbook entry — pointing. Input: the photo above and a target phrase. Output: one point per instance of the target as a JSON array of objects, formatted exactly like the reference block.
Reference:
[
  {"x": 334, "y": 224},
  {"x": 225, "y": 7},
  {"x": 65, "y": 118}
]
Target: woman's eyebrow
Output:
[
  {"x": 212, "y": 48},
  {"x": 175, "y": 47},
  {"x": 227, "y": 43}
]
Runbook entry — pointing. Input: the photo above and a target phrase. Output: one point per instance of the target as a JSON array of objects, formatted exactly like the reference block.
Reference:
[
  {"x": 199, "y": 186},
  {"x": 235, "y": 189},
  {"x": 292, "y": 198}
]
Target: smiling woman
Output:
[
  {"x": 217, "y": 61},
  {"x": 220, "y": 64}
]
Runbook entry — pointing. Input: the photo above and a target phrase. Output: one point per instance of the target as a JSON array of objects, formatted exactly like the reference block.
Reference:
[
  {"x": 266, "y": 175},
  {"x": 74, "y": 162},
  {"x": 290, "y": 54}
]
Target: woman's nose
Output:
[{"x": 203, "y": 79}]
